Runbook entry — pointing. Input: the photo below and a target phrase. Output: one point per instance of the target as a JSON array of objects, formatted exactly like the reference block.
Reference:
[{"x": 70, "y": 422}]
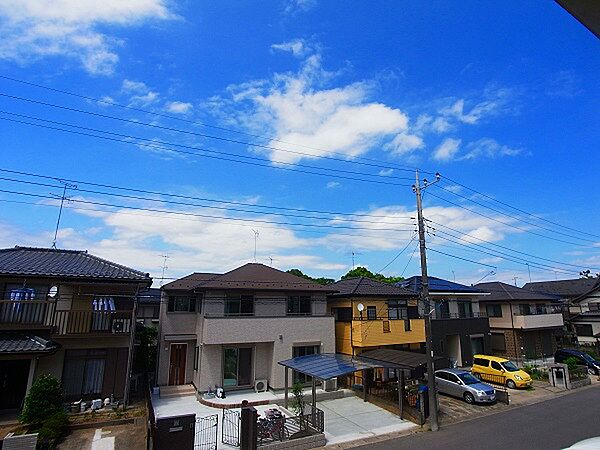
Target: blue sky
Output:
[{"x": 500, "y": 97}]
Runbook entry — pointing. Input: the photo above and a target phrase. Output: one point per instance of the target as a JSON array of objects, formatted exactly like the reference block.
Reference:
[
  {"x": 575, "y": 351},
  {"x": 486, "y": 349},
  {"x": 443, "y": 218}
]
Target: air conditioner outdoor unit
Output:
[
  {"x": 331, "y": 385},
  {"x": 261, "y": 385}
]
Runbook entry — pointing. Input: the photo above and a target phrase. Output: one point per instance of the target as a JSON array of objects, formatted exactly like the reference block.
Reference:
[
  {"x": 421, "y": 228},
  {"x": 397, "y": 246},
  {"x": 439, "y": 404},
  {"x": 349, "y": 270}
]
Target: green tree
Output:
[
  {"x": 320, "y": 280},
  {"x": 45, "y": 398},
  {"x": 364, "y": 272}
]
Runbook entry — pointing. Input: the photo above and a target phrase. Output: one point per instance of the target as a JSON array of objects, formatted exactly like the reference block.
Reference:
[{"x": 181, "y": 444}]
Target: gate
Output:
[
  {"x": 207, "y": 430},
  {"x": 230, "y": 427}
]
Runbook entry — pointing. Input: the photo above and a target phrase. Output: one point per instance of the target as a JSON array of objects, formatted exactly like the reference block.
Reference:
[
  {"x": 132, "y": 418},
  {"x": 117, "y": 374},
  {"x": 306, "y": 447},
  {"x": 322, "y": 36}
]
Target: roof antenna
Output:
[
  {"x": 516, "y": 278},
  {"x": 256, "y": 233},
  {"x": 62, "y": 201},
  {"x": 164, "y": 268}
]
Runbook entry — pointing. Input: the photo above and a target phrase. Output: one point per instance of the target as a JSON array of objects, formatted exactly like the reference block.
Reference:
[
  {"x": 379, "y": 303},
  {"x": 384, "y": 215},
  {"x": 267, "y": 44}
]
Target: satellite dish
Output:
[
  {"x": 52, "y": 292},
  {"x": 360, "y": 307}
]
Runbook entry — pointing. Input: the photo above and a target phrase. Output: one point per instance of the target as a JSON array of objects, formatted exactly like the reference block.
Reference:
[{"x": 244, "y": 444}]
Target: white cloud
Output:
[
  {"x": 298, "y": 47},
  {"x": 493, "y": 101},
  {"x": 179, "y": 107},
  {"x": 292, "y": 7},
  {"x": 134, "y": 86},
  {"x": 447, "y": 149},
  {"x": 404, "y": 143},
  {"x": 489, "y": 148},
  {"x": 34, "y": 29},
  {"x": 295, "y": 107},
  {"x": 386, "y": 172},
  {"x": 333, "y": 185}
]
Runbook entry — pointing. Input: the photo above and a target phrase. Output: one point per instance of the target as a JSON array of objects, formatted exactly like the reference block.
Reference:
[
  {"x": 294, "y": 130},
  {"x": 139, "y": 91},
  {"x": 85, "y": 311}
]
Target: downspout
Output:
[
  {"x": 130, "y": 353},
  {"x": 512, "y": 324}
]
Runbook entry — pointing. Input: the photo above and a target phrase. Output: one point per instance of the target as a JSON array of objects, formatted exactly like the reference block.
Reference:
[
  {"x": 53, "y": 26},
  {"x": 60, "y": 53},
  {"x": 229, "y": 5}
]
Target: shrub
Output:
[
  {"x": 298, "y": 402},
  {"x": 52, "y": 429},
  {"x": 44, "y": 399},
  {"x": 571, "y": 363}
]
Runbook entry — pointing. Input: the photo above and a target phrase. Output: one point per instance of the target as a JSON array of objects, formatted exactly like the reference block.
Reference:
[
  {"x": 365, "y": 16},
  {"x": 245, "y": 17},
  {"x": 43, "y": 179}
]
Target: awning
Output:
[
  {"x": 20, "y": 343},
  {"x": 325, "y": 366},
  {"x": 399, "y": 359}
]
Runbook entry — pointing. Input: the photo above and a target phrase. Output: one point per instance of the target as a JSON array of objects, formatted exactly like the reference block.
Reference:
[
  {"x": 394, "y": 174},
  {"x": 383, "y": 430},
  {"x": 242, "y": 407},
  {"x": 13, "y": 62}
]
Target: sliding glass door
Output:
[{"x": 237, "y": 367}]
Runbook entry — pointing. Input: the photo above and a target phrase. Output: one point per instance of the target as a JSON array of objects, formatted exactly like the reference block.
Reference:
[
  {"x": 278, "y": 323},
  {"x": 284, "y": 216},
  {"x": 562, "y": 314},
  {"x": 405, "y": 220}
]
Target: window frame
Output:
[
  {"x": 492, "y": 309},
  {"x": 192, "y": 302},
  {"x": 239, "y": 299},
  {"x": 299, "y": 305},
  {"x": 397, "y": 309},
  {"x": 371, "y": 309}
]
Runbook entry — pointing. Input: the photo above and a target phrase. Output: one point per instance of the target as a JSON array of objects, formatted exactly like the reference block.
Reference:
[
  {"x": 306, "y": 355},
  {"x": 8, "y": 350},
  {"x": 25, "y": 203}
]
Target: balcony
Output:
[
  {"x": 468, "y": 315},
  {"x": 31, "y": 314},
  {"x": 538, "y": 320},
  {"x": 370, "y": 333}
]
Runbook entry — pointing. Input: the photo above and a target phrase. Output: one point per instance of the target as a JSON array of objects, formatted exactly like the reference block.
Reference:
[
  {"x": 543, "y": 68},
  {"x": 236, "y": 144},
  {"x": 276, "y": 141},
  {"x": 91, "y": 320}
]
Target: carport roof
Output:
[
  {"x": 325, "y": 366},
  {"x": 390, "y": 357}
]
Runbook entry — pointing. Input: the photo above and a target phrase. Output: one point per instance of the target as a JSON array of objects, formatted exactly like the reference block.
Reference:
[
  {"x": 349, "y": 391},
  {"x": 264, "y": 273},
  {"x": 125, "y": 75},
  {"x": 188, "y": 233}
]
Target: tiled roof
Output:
[
  {"x": 437, "y": 285},
  {"x": 249, "y": 276},
  {"x": 149, "y": 296},
  {"x": 50, "y": 262},
  {"x": 363, "y": 286},
  {"x": 504, "y": 292},
  {"x": 565, "y": 288},
  {"x": 17, "y": 342}
]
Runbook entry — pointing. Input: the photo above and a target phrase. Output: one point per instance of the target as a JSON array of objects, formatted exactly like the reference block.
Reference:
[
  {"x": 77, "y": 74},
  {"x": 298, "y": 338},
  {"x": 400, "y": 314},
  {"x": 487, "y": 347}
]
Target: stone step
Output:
[{"x": 177, "y": 391}]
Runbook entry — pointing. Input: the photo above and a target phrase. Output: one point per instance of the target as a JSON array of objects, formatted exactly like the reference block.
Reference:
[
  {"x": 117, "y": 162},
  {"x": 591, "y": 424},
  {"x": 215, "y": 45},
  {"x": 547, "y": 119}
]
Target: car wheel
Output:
[
  {"x": 511, "y": 384},
  {"x": 469, "y": 398}
]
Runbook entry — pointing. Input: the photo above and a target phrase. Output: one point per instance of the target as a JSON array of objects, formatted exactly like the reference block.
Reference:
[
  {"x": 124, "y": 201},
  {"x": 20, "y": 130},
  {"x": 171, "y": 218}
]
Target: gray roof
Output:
[
  {"x": 17, "y": 342},
  {"x": 150, "y": 296},
  {"x": 565, "y": 288},
  {"x": 503, "y": 292},
  {"x": 51, "y": 262},
  {"x": 363, "y": 286},
  {"x": 251, "y": 276}
]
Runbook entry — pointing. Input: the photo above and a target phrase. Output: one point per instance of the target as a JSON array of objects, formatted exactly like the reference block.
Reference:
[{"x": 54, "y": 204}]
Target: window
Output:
[
  {"x": 493, "y": 310},
  {"x": 465, "y": 309},
  {"x": 584, "y": 329},
  {"x": 371, "y": 312},
  {"x": 386, "y": 326},
  {"x": 196, "y": 357},
  {"x": 442, "y": 375},
  {"x": 498, "y": 342},
  {"x": 442, "y": 310},
  {"x": 525, "y": 309},
  {"x": 540, "y": 308},
  {"x": 397, "y": 309},
  {"x": 299, "y": 305},
  {"x": 452, "y": 378},
  {"x": 239, "y": 306},
  {"x": 83, "y": 373},
  {"x": 496, "y": 366},
  {"x": 237, "y": 366},
  {"x": 183, "y": 303},
  {"x": 343, "y": 314},
  {"x": 481, "y": 362},
  {"x": 304, "y": 351}
]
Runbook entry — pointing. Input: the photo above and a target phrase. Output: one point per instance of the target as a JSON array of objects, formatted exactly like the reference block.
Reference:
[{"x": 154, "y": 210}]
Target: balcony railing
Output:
[
  {"x": 470, "y": 315},
  {"x": 29, "y": 314}
]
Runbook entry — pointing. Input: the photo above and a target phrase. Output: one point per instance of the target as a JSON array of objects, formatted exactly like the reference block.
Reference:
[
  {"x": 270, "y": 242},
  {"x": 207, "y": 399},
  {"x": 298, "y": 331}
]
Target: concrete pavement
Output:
[{"x": 551, "y": 424}]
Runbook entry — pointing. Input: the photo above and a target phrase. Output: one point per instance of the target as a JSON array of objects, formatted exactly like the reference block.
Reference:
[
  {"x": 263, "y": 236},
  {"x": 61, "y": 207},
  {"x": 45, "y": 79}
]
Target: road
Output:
[{"x": 553, "y": 424}]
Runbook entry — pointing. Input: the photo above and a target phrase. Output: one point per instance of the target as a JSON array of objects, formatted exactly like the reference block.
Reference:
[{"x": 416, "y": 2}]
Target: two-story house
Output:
[
  {"x": 582, "y": 295},
  {"x": 372, "y": 314},
  {"x": 524, "y": 324},
  {"x": 69, "y": 314},
  {"x": 148, "y": 308},
  {"x": 458, "y": 329},
  {"x": 230, "y": 330}
]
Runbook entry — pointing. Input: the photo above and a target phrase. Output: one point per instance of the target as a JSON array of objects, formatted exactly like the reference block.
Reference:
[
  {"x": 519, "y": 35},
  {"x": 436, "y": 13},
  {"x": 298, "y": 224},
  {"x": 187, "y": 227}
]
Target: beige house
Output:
[
  {"x": 230, "y": 330},
  {"x": 69, "y": 314}
]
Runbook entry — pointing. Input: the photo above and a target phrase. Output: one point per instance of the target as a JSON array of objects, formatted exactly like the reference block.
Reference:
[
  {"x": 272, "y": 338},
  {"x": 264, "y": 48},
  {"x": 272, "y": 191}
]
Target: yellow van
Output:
[{"x": 499, "y": 370}]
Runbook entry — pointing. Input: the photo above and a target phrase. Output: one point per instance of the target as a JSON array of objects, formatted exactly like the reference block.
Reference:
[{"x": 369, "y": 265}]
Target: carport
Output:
[{"x": 325, "y": 366}]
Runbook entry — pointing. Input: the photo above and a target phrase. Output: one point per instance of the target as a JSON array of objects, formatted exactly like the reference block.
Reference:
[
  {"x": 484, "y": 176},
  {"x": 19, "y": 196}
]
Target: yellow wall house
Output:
[{"x": 371, "y": 314}]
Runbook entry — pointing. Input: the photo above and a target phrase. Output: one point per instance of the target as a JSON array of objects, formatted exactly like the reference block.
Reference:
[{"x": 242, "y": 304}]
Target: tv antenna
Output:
[
  {"x": 256, "y": 234},
  {"x": 516, "y": 278},
  {"x": 164, "y": 268},
  {"x": 62, "y": 202}
]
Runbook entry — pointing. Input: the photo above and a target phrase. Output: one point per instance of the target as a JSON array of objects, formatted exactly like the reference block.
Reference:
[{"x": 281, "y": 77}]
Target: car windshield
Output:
[
  {"x": 467, "y": 378},
  {"x": 510, "y": 366},
  {"x": 587, "y": 357}
]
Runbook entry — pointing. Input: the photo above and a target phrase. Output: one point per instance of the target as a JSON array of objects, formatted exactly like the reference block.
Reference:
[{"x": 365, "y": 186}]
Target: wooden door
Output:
[{"x": 177, "y": 364}]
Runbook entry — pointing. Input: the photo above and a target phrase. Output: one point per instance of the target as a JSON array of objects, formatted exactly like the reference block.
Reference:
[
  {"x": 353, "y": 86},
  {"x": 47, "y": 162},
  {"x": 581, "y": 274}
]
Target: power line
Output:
[
  {"x": 397, "y": 256},
  {"x": 515, "y": 208},
  {"x": 152, "y": 145},
  {"x": 193, "y": 133},
  {"x": 188, "y": 197},
  {"x": 513, "y": 217},
  {"x": 461, "y": 258},
  {"x": 195, "y": 122},
  {"x": 505, "y": 223},
  {"x": 179, "y": 203},
  {"x": 410, "y": 259}
]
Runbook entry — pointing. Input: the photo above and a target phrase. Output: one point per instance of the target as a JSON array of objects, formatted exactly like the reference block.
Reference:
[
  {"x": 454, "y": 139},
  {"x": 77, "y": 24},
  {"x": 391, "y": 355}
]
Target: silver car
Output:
[{"x": 460, "y": 383}]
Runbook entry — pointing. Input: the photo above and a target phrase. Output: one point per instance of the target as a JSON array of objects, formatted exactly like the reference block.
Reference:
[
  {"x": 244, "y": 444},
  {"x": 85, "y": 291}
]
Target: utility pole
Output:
[
  {"x": 256, "y": 233},
  {"x": 433, "y": 414},
  {"x": 62, "y": 201}
]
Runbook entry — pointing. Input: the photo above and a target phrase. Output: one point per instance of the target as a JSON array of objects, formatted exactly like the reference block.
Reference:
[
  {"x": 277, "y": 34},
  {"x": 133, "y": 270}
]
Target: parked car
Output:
[
  {"x": 460, "y": 383},
  {"x": 500, "y": 370},
  {"x": 583, "y": 359}
]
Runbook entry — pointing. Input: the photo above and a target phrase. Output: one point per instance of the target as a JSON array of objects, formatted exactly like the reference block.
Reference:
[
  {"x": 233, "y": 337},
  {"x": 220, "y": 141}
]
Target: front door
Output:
[
  {"x": 13, "y": 383},
  {"x": 177, "y": 364}
]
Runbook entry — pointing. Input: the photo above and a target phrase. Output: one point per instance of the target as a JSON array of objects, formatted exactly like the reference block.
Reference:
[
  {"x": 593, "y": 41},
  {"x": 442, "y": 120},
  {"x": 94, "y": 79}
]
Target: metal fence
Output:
[
  {"x": 207, "y": 431},
  {"x": 275, "y": 428},
  {"x": 230, "y": 427}
]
